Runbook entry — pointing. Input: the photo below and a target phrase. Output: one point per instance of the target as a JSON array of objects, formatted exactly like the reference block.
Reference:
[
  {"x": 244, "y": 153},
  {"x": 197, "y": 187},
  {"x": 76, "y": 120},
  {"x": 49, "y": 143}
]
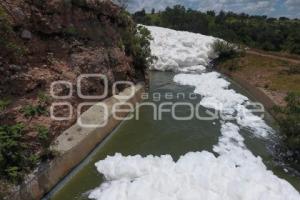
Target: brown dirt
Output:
[
  {"x": 268, "y": 73},
  {"x": 65, "y": 40},
  {"x": 283, "y": 57}
]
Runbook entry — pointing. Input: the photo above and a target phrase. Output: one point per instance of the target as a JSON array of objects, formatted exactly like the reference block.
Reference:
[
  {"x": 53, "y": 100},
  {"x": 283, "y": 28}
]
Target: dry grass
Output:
[
  {"x": 275, "y": 77},
  {"x": 281, "y": 54}
]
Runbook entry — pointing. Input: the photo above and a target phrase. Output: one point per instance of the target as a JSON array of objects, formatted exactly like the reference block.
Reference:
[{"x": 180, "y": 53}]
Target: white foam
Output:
[
  {"x": 193, "y": 69},
  {"x": 176, "y": 50},
  {"x": 216, "y": 94},
  {"x": 235, "y": 175}
]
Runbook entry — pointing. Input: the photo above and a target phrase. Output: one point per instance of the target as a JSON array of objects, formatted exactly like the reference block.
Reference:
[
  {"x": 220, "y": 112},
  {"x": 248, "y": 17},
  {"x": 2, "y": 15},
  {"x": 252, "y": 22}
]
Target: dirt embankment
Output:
[
  {"x": 52, "y": 40},
  {"x": 291, "y": 59},
  {"x": 43, "y": 41},
  {"x": 269, "y": 77}
]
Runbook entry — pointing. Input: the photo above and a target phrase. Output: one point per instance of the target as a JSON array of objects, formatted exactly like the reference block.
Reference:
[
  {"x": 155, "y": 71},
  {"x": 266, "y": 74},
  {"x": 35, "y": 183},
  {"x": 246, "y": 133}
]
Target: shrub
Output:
[
  {"x": 71, "y": 31},
  {"x": 15, "y": 158},
  {"x": 144, "y": 57},
  {"x": 43, "y": 135},
  {"x": 44, "y": 138},
  {"x": 43, "y": 98},
  {"x": 136, "y": 41},
  {"x": 4, "y": 104},
  {"x": 40, "y": 109},
  {"x": 289, "y": 120},
  {"x": 226, "y": 50},
  {"x": 32, "y": 111}
]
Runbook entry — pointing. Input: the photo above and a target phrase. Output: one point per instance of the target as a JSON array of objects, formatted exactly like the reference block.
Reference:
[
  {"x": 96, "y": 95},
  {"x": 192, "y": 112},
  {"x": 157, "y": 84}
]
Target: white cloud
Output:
[{"x": 293, "y": 4}]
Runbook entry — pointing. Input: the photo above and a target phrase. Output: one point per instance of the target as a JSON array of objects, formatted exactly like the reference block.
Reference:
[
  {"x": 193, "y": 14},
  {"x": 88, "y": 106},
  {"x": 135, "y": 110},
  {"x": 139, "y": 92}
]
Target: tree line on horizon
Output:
[{"x": 262, "y": 32}]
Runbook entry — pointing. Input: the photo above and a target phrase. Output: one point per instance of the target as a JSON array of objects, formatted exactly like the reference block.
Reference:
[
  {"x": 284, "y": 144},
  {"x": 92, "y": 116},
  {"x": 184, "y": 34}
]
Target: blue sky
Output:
[{"x": 274, "y": 8}]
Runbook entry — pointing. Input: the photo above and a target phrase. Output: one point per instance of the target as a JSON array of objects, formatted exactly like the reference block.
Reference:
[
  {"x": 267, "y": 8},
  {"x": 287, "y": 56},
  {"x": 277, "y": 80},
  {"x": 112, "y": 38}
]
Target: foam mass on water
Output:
[
  {"x": 234, "y": 174},
  {"x": 180, "y": 51}
]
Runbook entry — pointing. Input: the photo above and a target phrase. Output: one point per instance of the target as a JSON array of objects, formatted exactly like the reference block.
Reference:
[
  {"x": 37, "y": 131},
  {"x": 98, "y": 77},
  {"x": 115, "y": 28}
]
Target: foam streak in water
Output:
[{"x": 235, "y": 174}]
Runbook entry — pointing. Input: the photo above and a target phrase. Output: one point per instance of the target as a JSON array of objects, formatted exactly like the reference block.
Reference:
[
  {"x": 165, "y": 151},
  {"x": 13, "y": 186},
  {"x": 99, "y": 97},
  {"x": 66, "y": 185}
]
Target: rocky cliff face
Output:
[
  {"x": 45, "y": 39},
  {"x": 42, "y": 41},
  {"x": 48, "y": 40}
]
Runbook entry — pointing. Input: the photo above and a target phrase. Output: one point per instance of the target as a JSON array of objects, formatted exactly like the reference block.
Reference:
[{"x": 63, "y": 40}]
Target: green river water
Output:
[{"x": 148, "y": 136}]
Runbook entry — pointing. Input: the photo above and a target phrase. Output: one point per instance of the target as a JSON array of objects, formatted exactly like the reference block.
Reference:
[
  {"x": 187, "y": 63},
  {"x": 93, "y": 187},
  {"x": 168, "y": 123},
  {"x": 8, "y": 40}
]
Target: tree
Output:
[
  {"x": 153, "y": 11},
  {"x": 211, "y": 13},
  {"x": 254, "y": 31}
]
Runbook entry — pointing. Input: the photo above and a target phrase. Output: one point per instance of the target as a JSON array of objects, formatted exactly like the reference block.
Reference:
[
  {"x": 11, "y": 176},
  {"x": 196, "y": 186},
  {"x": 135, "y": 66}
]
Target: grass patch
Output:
[
  {"x": 71, "y": 31},
  {"x": 32, "y": 111},
  {"x": 43, "y": 98},
  {"x": 285, "y": 83},
  {"x": 4, "y": 104},
  {"x": 263, "y": 71},
  {"x": 43, "y": 135},
  {"x": 15, "y": 158}
]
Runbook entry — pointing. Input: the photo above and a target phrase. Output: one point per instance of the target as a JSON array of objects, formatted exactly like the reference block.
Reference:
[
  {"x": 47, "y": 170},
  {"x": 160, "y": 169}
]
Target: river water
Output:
[{"x": 167, "y": 136}]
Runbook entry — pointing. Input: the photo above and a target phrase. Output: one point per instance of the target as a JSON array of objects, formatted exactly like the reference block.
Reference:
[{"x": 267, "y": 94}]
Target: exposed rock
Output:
[
  {"x": 71, "y": 38},
  {"x": 67, "y": 39},
  {"x": 26, "y": 34},
  {"x": 15, "y": 68}
]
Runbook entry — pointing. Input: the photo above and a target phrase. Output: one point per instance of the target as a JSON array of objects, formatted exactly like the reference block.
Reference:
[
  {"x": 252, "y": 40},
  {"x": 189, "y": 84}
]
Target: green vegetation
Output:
[
  {"x": 141, "y": 47},
  {"x": 44, "y": 139},
  {"x": 7, "y": 43},
  {"x": 32, "y": 111},
  {"x": 4, "y": 104},
  {"x": 43, "y": 135},
  {"x": 15, "y": 158},
  {"x": 71, "y": 31},
  {"x": 254, "y": 31},
  {"x": 226, "y": 50},
  {"x": 228, "y": 53},
  {"x": 289, "y": 120},
  {"x": 136, "y": 41},
  {"x": 43, "y": 98}
]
